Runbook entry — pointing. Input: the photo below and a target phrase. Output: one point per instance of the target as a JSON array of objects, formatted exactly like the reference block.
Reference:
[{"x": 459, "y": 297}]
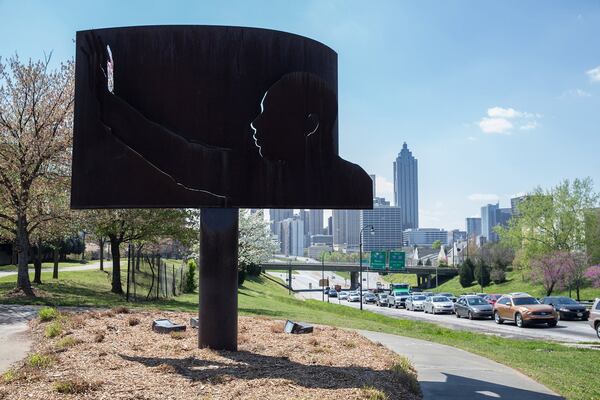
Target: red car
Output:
[{"x": 492, "y": 298}]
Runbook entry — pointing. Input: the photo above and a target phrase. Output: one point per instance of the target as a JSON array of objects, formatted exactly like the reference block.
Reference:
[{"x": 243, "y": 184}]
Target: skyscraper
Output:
[
  {"x": 473, "y": 227},
  {"x": 406, "y": 187},
  {"x": 387, "y": 223},
  {"x": 339, "y": 227},
  {"x": 489, "y": 215},
  {"x": 276, "y": 215},
  {"x": 315, "y": 222}
]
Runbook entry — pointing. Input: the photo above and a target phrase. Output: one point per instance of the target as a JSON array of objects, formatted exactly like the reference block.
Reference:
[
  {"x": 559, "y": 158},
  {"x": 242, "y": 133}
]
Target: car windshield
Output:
[
  {"x": 476, "y": 301},
  {"x": 522, "y": 301},
  {"x": 565, "y": 300},
  {"x": 446, "y": 294},
  {"x": 419, "y": 297},
  {"x": 440, "y": 299}
]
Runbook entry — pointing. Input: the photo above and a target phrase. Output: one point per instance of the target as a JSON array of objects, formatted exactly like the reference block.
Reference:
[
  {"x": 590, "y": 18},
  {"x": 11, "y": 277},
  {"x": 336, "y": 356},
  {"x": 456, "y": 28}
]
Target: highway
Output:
[{"x": 565, "y": 331}]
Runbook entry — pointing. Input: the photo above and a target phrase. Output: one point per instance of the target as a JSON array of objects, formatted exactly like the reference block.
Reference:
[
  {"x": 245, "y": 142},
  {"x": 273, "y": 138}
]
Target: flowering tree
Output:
[
  {"x": 593, "y": 274},
  {"x": 36, "y": 106},
  {"x": 551, "y": 270},
  {"x": 255, "y": 244}
]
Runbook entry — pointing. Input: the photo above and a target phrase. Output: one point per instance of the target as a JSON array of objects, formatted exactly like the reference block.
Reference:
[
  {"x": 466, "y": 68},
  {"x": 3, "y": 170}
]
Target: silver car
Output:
[
  {"x": 353, "y": 296},
  {"x": 438, "y": 305},
  {"x": 415, "y": 302},
  {"x": 343, "y": 295}
]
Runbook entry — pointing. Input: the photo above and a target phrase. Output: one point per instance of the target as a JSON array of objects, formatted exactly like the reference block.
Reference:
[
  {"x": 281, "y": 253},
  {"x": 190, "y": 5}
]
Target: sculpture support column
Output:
[{"x": 218, "y": 275}]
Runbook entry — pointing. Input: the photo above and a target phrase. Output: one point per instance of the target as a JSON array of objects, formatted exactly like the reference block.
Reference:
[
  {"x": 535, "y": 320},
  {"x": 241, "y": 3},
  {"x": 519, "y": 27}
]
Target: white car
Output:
[
  {"x": 438, "y": 305},
  {"x": 353, "y": 296},
  {"x": 415, "y": 302},
  {"x": 343, "y": 295}
]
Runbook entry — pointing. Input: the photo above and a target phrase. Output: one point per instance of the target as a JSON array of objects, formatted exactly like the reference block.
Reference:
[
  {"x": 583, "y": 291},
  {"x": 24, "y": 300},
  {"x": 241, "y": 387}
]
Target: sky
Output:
[{"x": 492, "y": 98}]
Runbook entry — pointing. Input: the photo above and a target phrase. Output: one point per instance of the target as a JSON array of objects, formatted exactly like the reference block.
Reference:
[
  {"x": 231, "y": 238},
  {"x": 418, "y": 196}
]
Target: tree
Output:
[
  {"x": 137, "y": 225},
  {"x": 36, "y": 107},
  {"x": 497, "y": 275},
  {"x": 552, "y": 220},
  {"x": 436, "y": 245},
  {"x": 466, "y": 273},
  {"x": 575, "y": 272},
  {"x": 482, "y": 273},
  {"x": 255, "y": 244},
  {"x": 593, "y": 274},
  {"x": 551, "y": 270}
]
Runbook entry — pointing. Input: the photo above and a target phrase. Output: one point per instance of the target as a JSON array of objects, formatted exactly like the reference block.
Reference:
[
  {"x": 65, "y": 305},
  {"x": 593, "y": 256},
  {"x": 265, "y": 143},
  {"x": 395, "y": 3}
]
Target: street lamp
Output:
[
  {"x": 372, "y": 231},
  {"x": 323, "y": 274}
]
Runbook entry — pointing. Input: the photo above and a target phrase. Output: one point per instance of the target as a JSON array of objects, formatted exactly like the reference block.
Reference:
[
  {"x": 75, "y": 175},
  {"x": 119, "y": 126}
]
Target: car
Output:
[
  {"x": 369, "y": 298},
  {"x": 332, "y": 293},
  {"x": 492, "y": 298},
  {"x": 566, "y": 307},
  {"x": 524, "y": 310},
  {"x": 452, "y": 297},
  {"x": 426, "y": 294},
  {"x": 595, "y": 317},
  {"x": 472, "y": 306},
  {"x": 415, "y": 302},
  {"x": 438, "y": 304},
  {"x": 343, "y": 295},
  {"x": 383, "y": 299},
  {"x": 353, "y": 297},
  {"x": 399, "y": 301},
  {"x": 482, "y": 295}
]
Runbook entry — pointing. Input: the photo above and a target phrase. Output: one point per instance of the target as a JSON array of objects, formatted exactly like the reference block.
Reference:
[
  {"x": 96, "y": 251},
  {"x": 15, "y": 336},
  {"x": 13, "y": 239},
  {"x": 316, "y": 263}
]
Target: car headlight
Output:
[{"x": 564, "y": 309}]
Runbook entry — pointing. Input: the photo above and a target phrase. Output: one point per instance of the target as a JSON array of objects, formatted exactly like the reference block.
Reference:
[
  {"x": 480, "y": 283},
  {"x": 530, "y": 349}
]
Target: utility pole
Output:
[{"x": 360, "y": 268}]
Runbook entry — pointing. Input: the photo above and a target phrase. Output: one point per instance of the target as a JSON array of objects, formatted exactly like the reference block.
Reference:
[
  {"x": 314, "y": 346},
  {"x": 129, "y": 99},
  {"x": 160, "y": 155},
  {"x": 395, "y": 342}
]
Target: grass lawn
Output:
[
  {"x": 68, "y": 263},
  {"x": 569, "y": 371}
]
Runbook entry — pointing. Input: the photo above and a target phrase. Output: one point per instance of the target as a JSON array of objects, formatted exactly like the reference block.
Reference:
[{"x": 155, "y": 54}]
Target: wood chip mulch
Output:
[{"x": 117, "y": 356}]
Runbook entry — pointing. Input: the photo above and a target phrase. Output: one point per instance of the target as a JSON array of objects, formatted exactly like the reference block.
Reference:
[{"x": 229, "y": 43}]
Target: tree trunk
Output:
[
  {"x": 37, "y": 263},
  {"x": 116, "y": 261},
  {"x": 23, "y": 281},
  {"x": 577, "y": 291},
  {"x": 101, "y": 254},
  {"x": 56, "y": 256}
]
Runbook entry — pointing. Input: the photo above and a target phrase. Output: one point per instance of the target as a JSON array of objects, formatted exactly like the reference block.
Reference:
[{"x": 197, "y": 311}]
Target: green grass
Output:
[
  {"x": 569, "y": 371},
  {"x": 48, "y": 314},
  {"x": 62, "y": 264},
  {"x": 39, "y": 361}
]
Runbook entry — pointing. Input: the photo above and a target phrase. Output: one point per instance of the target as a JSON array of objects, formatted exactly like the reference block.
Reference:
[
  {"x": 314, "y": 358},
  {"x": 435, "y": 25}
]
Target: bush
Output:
[
  {"x": 39, "y": 361},
  {"x": 53, "y": 330},
  {"x": 67, "y": 341},
  {"x": 466, "y": 273},
  {"x": 482, "y": 274},
  {"x": 72, "y": 386},
  {"x": 9, "y": 376},
  {"x": 498, "y": 275},
  {"x": 190, "y": 280},
  {"x": 253, "y": 269},
  {"x": 48, "y": 314},
  {"x": 241, "y": 277},
  {"x": 133, "y": 321}
]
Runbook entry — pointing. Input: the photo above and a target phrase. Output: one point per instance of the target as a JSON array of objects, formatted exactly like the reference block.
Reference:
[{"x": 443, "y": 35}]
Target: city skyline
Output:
[{"x": 488, "y": 110}]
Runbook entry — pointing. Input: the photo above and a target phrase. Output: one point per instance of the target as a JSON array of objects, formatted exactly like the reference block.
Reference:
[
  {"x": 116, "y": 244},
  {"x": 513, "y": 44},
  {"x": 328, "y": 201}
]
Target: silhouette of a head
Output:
[{"x": 298, "y": 117}]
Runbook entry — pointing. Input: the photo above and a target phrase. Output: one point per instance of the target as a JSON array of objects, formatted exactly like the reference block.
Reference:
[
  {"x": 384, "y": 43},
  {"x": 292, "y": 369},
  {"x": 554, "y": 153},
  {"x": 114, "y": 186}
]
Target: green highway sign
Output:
[
  {"x": 397, "y": 260},
  {"x": 378, "y": 260}
]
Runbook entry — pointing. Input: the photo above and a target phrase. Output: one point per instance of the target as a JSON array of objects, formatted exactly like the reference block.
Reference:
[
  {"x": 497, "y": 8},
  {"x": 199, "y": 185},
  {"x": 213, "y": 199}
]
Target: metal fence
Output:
[{"x": 151, "y": 278}]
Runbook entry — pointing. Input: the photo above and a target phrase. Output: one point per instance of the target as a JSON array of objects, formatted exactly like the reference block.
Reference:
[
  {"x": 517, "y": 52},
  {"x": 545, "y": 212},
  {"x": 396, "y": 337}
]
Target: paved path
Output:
[
  {"x": 14, "y": 339},
  {"x": 447, "y": 373},
  {"x": 87, "y": 267}
]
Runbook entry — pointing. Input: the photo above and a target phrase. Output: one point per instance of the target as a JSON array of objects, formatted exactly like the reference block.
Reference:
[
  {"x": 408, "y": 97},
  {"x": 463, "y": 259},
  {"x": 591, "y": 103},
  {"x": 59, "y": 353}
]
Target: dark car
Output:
[
  {"x": 369, "y": 298},
  {"x": 332, "y": 293},
  {"x": 567, "y": 308},
  {"x": 472, "y": 306}
]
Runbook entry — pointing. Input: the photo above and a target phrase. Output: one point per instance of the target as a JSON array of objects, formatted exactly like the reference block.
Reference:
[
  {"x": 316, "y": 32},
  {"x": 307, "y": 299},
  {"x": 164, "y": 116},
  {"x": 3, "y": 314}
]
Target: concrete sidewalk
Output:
[
  {"x": 14, "y": 339},
  {"x": 447, "y": 373},
  {"x": 86, "y": 267}
]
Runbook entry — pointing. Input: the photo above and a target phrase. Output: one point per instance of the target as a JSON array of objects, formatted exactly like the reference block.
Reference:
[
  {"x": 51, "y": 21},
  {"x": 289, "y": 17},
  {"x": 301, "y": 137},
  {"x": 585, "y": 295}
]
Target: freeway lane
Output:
[{"x": 565, "y": 331}]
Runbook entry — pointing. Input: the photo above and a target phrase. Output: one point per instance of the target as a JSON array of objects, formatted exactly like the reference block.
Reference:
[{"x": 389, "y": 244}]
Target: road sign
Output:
[
  {"x": 323, "y": 282},
  {"x": 378, "y": 259},
  {"x": 397, "y": 260}
]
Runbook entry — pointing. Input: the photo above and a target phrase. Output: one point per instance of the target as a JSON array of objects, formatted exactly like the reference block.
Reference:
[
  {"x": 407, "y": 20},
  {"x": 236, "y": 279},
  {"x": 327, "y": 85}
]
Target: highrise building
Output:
[
  {"x": 387, "y": 224},
  {"x": 473, "y": 227},
  {"x": 406, "y": 187},
  {"x": 291, "y": 237},
  {"x": 329, "y": 226},
  {"x": 489, "y": 215},
  {"x": 315, "y": 222},
  {"x": 374, "y": 186},
  {"x": 456, "y": 235},
  {"x": 346, "y": 229},
  {"x": 514, "y": 204},
  {"x": 424, "y": 236},
  {"x": 276, "y": 215}
]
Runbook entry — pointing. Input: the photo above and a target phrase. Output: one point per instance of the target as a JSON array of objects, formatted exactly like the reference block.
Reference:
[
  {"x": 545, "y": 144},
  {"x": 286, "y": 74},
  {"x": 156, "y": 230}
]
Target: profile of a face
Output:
[{"x": 289, "y": 115}]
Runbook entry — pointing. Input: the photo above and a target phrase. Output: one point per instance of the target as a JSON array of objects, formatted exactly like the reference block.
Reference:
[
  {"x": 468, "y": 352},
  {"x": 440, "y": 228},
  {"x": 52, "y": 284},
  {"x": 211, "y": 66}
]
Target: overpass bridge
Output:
[{"x": 425, "y": 274}]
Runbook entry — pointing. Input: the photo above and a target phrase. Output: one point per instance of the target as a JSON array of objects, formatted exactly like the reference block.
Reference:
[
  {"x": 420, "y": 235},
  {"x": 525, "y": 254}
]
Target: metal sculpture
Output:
[{"x": 209, "y": 117}]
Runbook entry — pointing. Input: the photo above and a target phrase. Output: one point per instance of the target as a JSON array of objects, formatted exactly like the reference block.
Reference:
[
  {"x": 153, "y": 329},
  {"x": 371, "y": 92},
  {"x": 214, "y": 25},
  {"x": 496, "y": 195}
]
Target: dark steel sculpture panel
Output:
[{"x": 207, "y": 116}]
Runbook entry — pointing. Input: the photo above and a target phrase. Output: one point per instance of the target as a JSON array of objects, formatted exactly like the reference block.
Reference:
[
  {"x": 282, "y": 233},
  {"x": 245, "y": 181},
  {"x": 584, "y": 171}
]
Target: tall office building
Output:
[
  {"x": 424, "y": 236},
  {"x": 473, "y": 227},
  {"x": 276, "y": 215},
  {"x": 315, "y": 222},
  {"x": 514, "y": 204},
  {"x": 329, "y": 228},
  {"x": 339, "y": 228},
  {"x": 352, "y": 229},
  {"x": 406, "y": 187},
  {"x": 291, "y": 237},
  {"x": 387, "y": 222},
  {"x": 374, "y": 185},
  {"x": 489, "y": 220}
]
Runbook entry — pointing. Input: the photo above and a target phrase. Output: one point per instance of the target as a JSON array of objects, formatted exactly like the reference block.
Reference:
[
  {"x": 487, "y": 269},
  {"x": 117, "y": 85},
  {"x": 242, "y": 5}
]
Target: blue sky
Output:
[{"x": 493, "y": 98}]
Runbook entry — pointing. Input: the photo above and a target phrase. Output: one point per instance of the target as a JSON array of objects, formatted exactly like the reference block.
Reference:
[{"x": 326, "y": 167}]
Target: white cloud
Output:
[
  {"x": 484, "y": 197},
  {"x": 472, "y": 138},
  {"x": 385, "y": 188},
  {"x": 495, "y": 125},
  {"x": 576, "y": 93},
  {"x": 502, "y": 120},
  {"x": 594, "y": 74}
]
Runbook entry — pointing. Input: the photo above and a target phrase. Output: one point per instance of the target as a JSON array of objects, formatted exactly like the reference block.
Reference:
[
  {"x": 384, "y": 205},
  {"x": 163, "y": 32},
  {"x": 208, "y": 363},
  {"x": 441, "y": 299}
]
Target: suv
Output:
[
  {"x": 595, "y": 317},
  {"x": 523, "y": 310}
]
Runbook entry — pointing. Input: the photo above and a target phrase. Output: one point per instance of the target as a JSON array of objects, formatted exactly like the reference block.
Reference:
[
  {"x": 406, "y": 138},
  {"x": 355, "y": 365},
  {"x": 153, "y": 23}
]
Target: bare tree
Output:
[{"x": 36, "y": 106}]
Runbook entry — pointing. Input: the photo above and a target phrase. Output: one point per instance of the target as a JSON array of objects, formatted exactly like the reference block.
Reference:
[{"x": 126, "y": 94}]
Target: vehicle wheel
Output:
[
  {"x": 552, "y": 324},
  {"x": 470, "y": 315},
  {"x": 519, "y": 320},
  {"x": 497, "y": 318},
  {"x": 598, "y": 329},
  {"x": 558, "y": 317},
  {"x": 433, "y": 311},
  {"x": 457, "y": 315}
]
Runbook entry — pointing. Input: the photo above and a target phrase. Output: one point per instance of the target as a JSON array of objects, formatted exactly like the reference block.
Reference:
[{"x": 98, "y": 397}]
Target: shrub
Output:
[
  {"x": 9, "y": 376},
  {"x": 482, "y": 274},
  {"x": 466, "y": 273},
  {"x": 241, "y": 277},
  {"x": 39, "y": 361},
  {"x": 498, "y": 275},
  {"x": 190, "y": 279},
  {"x": 72, "y": 386},
  {"x": 67, "y": 341},
  {"x": 253, "y": 269},
  {"x": 407, "y": 374},
  {"x": 371, "y": 393},
  {"x": 48, "y": 314},
  {"x": 133, "y": 321},
  {"x": 53, "y": 330}
]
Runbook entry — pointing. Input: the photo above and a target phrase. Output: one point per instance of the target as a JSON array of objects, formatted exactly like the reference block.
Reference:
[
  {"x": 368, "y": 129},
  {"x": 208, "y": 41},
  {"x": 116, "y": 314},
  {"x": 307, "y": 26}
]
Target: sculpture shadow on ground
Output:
[
  {"x": 249, "y": 366},
  {"x": 475, "y": 389}
]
